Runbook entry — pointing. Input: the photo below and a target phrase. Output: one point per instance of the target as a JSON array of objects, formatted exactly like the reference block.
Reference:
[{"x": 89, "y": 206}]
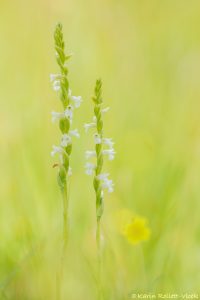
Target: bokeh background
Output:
[{"x": 147, "y": 53}]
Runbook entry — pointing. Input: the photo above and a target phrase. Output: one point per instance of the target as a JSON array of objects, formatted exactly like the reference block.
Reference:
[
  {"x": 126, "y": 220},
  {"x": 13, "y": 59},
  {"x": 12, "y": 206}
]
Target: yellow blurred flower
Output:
[
  {"x": 137, "y": 230},
  {"x": 133, "y": 227},
  {"x": 122, "y": 218}
]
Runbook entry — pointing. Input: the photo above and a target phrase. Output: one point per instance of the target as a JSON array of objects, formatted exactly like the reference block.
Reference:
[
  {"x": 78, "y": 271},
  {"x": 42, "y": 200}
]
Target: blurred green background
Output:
[{"x": 147, "y": 53}]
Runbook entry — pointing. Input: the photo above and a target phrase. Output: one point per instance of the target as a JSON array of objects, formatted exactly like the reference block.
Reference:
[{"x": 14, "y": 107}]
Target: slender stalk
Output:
[
  {"x": 65, "y": 216},
  {"x": 98, "y": 241},
  {"x": 97, "y": 184},
  {"x": 101, "y": 180},
  {"x": 65, "y": 118},
  {"x": 98, "y": 234},
  {"x": 65, "y": 228},
  {"x": 60, "y": 274}
]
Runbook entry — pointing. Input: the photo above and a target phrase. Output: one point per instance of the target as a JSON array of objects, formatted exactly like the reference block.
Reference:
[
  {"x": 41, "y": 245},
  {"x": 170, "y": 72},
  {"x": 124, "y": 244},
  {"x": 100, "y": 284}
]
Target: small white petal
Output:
[
  {"x": 53, "y": 77},
  {"x": 103, "y": 176},
  {"x": 56, "y": 85},
  {"x": 109, "y": 142},
  {"x": 76, "y": 99},
  {"x": 69, "y": 112},
  {"x": 105, "y": 182},
  {"x": 89, "y": 168},
  {"x": 88, "y": 172},
  {"x": 74, "y": 133},
  {"x": 108, "y": 184},
  {"x": 56, "y": 116},
  {"x": 97, "y": 138},
  {"x": 110, "y": 152},
  {"x": 56, "y": 88},
  {"x": 89, "y": 154},
  {"x": 65, "y": 140},
  {"x": 89, "y": 125},
  {"x": 56, "y": 149},
  {"x": 104, "y": 110}
]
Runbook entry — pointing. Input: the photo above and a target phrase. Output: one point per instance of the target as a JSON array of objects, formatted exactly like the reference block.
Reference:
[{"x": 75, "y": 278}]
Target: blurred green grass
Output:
[{"x": 148, "y": 55}]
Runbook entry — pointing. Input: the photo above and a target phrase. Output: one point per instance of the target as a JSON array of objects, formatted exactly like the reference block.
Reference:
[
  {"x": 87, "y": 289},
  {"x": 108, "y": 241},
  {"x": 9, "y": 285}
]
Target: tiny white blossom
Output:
[
  {"x": 89, "y": 125},
  {"x": 108, "y": 184},
  {"x": 74, "y": 133},
  {"x": 53, "y": 77},
  {"x": 56, "y": 116},
  {"x": 76, "y": 99},
  {"x": 69, "y": 112},
  {"x": 110, "y": 152},
  {"x": 65, "y": 140},
  {"x": 104, "y": 110},
  {"x": 97, "y": 138},
  {"x": 56, "y": 149},
  {"x": 89, "y": 154},
  {"x": 103, "y": 176},
  {"x": 108, "y": 141},
  {"x": 56, "y": 85},
  {"x": 89, "y": 168}
]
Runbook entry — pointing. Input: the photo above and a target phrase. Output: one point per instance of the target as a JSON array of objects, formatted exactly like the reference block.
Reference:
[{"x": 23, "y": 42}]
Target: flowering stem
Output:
[
  {"x": 101, "y": 180},
  {"x": 97, "y": 183},
  {"x": 61, "y": 85}
]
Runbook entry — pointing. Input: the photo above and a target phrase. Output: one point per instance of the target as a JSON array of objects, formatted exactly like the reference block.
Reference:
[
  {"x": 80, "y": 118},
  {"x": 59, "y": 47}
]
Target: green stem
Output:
[
  {"x": 98, "y": 234},
  {"x": 65, "y": 216},
  {"x": 98, "y": 241},
  {"x": 60, "y": 274}
]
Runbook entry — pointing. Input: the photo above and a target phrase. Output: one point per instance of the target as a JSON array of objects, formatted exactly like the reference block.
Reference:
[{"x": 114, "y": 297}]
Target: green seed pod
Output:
[
  {"x": 100, "y": 164},
  {"x": 98, "y": 148},
  {"x": 66, "y": 83},
  {"x": 96, "y": 183},
  {"x": 66, "y": 162},
  {"x": 62, "y": 177},
  {"x": 100, "y": 208},
  {"x": 64, "y": 125},
  {"x": 97, "y": 110},
  {"x": 99, "y": 126},
  {"x": 59, "y": 61},
  {"x": 68, "y": 149}
]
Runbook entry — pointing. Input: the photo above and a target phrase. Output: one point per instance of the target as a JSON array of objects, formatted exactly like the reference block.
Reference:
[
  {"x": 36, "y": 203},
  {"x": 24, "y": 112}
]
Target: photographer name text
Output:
[{"x": 165, "y": 296}]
